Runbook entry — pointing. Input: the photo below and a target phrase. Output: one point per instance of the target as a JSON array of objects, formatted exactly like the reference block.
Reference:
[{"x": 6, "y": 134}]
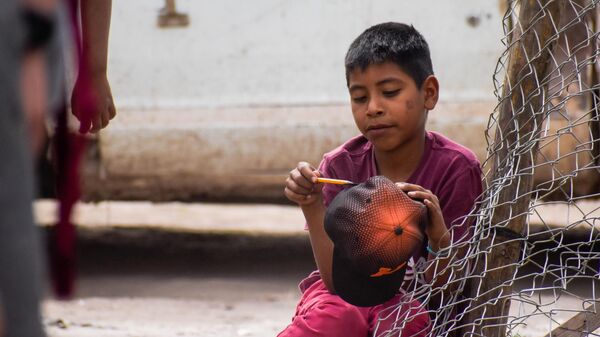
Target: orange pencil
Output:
[{"x": 335, "y": 181}]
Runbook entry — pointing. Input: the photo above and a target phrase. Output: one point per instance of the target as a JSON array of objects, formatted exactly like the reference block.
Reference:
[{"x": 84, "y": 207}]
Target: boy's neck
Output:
[{"x": 400, "y": 163}]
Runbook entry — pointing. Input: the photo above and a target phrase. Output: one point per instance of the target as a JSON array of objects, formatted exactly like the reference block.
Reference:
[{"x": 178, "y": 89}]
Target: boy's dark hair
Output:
[{"x": 395, "y": 42}]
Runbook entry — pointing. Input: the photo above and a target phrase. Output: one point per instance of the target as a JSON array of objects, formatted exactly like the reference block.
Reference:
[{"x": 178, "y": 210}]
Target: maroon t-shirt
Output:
[{"x": 448, "y": 169}]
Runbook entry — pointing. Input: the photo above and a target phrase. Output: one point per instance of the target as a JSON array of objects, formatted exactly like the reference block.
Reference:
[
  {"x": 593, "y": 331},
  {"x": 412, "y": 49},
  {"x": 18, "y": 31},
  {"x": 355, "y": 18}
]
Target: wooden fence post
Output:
[{"x": 520, "y": 119}]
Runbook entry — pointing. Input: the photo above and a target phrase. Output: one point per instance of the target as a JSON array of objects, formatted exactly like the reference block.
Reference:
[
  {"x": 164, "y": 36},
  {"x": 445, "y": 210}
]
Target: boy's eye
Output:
[
  {"x": 360, "y": 99},
  {"x": 391, "y": 93}
]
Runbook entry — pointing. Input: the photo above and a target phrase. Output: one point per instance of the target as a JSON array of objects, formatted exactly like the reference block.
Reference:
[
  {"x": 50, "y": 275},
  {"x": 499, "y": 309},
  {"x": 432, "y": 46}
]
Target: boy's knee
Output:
[{"x": 329, "y": 316}]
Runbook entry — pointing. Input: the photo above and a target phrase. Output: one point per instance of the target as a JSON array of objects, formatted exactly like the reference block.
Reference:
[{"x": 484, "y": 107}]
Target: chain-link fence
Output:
[{"x": 531, "y": 266}]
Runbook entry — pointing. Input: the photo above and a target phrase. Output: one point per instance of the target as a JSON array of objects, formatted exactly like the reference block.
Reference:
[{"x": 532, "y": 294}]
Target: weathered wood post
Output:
[{"x": 520, "y": 120}]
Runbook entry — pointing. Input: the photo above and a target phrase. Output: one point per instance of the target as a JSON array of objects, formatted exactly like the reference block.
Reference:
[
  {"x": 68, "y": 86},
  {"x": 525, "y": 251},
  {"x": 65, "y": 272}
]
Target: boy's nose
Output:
[{"x": 374, "y": 108}]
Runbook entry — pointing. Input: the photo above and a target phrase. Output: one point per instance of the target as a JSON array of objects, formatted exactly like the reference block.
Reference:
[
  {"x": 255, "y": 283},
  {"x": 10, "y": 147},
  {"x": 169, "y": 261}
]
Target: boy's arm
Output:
[
  {"x": 455, "y": 201},
  {"x": 321, "y": 244},
  {"x": 95, "y": 27},
  {"x": 437, "y": 233},
  {"x": 303, "y": 189}
]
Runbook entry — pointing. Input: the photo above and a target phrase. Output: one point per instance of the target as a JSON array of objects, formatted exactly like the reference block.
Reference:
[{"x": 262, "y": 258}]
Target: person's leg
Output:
[
  {"x": 322, "y": 314},
  {"x": 20, "y": 261}
]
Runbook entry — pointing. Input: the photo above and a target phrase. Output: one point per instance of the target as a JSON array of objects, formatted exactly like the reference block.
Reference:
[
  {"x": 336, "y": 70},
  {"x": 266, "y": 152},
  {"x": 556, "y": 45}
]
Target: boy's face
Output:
[{"x": 388, "y": 107}]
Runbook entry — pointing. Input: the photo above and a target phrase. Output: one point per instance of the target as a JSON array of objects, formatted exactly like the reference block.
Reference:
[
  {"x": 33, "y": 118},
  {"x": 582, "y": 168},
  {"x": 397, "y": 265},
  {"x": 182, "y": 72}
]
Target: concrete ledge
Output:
[
  {"x": 246, "y": 219},
  {"x": 575, "y": 220}
]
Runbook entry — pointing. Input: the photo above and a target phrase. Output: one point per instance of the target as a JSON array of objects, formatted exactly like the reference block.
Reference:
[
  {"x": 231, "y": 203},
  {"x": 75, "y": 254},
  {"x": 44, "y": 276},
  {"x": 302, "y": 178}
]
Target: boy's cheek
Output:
[
  {"x": 359, "y": 124},
  {"x": 409, "y": 104}
]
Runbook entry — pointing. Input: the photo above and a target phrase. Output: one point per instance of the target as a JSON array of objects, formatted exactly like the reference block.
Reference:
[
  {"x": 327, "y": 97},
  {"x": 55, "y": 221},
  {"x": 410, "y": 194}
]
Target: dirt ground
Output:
[
  {"x": 227, "y": 288},
  {"x": 213, "y": 286}
]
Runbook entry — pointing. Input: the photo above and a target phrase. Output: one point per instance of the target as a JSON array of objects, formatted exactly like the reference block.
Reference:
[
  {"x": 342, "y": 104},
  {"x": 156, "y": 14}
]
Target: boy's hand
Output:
[
  {"x": 436, "y": 229},
  {"x": 104, "y": 106},
  {"x": 301, "y": 185}
]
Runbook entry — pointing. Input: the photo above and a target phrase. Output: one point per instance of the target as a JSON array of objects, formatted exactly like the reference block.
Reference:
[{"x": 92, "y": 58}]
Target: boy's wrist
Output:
[
  {"x": 438, "y": 236},
  {"x": 437, "y": 245},
  {"x": 97, "y": 71}
]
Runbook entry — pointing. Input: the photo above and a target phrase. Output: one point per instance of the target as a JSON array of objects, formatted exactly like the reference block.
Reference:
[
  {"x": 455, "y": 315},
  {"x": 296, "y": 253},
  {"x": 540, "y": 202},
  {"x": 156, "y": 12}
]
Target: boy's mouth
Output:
[
  {"x": 378, "y": 127},
  {"x": 378, "y": 130}
]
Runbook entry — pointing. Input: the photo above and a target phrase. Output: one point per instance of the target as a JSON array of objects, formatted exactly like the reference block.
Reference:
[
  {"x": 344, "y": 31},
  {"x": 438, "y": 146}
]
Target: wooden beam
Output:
[
  {"x": 489, "y": 286},
  {"x": 579, "y": 325}
]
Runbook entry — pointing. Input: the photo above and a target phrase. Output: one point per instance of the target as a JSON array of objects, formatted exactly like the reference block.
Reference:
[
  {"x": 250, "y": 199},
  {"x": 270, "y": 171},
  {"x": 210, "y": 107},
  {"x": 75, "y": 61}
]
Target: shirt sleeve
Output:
[{"x": 457, "y": 200}]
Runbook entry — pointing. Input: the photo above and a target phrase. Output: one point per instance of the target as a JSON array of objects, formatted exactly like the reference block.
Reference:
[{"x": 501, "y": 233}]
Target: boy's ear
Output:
[{"x": 431, "y": 91}]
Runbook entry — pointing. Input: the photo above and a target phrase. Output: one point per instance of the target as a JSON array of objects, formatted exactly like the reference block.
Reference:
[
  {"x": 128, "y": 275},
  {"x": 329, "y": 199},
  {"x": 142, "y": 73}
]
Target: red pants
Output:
[{"x": 322, "y": 314}]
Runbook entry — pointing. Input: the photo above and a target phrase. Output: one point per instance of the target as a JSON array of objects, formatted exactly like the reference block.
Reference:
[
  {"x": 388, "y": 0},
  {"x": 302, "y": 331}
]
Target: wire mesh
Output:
[{"x": 532, "y": 261}]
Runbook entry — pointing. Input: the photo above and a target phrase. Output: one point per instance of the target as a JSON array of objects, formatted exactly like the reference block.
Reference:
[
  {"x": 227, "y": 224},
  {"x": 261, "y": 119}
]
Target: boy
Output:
[{"x": 392, "y": 87}]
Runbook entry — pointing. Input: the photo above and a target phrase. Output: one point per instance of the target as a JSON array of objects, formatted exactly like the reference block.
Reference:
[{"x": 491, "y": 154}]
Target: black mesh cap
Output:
[{"x": 375, "y": 228}]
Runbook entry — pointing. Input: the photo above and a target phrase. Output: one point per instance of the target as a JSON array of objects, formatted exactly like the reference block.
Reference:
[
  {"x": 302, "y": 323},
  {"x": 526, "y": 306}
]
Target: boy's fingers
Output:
[
  {"x": 291, "y": 195},
  {"x": 434, "y": 209},
  {"x": 295, "y": 197},
  {"x": 432, "y": 204},
  {"x": 410, "y": 187},
  {"x": 406, "y": 187},
  {"x": 111, "y": 110},
  {"x": 307, "y": 171},
  {"x": 299, "y": 179},
  {"x": 417, "y": 195},
  {"x": 425, "y": 195},
  {"x": 84, "y": 126},
  {"x": 96, "y": 122},
  {"x": 296, "y": 188},
  {"x": 305, "y": 166},
  {"x": 105, "y": 118}
]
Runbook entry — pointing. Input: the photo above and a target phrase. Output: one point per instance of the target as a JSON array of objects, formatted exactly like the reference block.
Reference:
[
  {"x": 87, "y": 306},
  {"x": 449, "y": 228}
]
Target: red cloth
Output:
[
  {"x": 69, "y": 148},
  {"x": 322, "y": 314}
]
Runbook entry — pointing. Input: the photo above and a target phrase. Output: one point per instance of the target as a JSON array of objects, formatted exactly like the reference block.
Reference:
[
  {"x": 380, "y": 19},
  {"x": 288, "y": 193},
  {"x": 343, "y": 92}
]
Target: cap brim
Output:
[{"x": 360, "y": 290}]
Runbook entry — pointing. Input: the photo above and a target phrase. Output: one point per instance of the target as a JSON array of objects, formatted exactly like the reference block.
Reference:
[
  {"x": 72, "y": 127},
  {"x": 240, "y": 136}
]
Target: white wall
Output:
[
  {"x": 228, "y": 105},
  {"x": 266, "y": 52}
]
